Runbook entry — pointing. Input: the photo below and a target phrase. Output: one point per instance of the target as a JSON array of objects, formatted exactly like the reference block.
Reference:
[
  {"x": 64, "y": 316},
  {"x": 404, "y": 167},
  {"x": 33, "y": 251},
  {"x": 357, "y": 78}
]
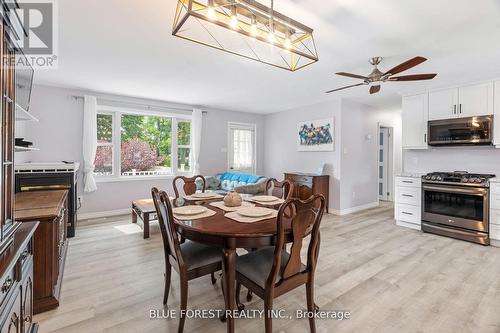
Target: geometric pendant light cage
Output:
[{"x": 246, "y": 28}]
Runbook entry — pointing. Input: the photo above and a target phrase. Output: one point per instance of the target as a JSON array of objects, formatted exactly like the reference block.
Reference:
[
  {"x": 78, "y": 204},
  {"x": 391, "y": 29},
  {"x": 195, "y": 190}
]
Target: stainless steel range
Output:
[{"x": 456, "y": 204}]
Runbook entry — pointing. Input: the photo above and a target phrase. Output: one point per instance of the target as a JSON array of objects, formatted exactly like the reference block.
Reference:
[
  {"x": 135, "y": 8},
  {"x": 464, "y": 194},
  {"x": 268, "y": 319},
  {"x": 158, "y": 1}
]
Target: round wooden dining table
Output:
[{"x": 230, "y": 235}]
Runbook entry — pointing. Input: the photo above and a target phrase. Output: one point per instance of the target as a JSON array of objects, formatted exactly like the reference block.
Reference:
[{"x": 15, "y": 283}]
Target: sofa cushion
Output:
[{"x": 240, "y": 177}]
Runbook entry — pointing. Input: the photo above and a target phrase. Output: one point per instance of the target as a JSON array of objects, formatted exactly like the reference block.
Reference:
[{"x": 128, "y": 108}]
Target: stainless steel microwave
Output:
[{"x": 461, "y": 131}]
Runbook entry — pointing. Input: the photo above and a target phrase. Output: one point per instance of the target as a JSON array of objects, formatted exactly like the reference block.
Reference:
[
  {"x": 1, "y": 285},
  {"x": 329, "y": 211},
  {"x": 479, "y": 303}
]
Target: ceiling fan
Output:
[{"x": 376, "y": 76}]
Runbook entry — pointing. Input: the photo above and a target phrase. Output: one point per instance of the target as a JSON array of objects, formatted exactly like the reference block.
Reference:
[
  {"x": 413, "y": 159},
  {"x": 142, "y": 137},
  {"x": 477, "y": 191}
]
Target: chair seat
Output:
[
  {"x": 197, "y": 255},
  {"x": 256, "y": 266}
]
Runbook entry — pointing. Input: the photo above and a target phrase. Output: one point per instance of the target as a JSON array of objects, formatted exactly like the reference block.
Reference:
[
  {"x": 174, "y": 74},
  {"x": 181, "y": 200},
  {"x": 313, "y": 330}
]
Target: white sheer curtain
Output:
[
  {"x": 243, "y": 149},
  {"x": 89, "y": 142},
  {"x": 196, "y": 126}
]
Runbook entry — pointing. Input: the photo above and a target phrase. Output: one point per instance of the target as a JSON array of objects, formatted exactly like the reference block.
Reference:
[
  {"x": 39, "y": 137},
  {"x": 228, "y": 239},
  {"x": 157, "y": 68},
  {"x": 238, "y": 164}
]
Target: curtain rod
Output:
[{"x": 149, "y": 107}]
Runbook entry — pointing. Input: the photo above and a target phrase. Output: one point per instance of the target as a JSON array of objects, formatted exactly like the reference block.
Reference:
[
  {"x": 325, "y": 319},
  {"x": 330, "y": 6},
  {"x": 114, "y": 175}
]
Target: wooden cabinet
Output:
[
  {"x": 415, "y": 116},
  {"x": 466, "y": 101},
  {"x": 306, "y": 185},
  {"x": 50, "y": 242}
]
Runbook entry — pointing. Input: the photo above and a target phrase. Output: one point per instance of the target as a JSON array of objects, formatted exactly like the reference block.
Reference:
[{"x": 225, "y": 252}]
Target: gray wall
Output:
[
  {"x": 477, "y": 160},
  {"x": 281, "y": 153},
  {"x": 58, "y": 134}
]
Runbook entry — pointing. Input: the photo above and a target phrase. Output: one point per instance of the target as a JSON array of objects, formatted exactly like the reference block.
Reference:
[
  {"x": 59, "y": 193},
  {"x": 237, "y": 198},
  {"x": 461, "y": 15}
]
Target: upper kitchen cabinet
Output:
[
  {"x": 496, "y": 126},
  {"x": 415, "y": 116},
  {"x": 467, "y": 101}
]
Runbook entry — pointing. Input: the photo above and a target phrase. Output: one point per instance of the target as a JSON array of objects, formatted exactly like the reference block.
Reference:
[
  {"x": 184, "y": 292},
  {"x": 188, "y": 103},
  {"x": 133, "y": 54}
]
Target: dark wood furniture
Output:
[
  {"x": 146, "y": 211},
  {"x": 16, "y": 248},
  {"x": 190, "y": 260},
  {"x": 188, "y": 185},
  {"x": 281, "y": 189},
  {"x": 50, "y": 245},
  {"x": 272, "y": 271},
  {"x": 308, "y": 184},
  {"x": 230, "y": 235}
]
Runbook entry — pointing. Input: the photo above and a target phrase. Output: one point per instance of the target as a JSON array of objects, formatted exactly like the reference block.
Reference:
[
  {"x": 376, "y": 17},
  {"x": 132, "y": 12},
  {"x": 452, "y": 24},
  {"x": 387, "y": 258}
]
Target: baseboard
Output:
[
  {"x": 98, "y": 215},
  {"x": 353, "y": 209}
]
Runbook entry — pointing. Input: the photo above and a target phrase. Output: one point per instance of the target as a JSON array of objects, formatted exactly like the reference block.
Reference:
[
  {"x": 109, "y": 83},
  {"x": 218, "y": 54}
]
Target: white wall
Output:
[
  {"x": 59, "y": 137},
  {"x": 281, "y": 153},
  {"x": 475, "y": 160}
]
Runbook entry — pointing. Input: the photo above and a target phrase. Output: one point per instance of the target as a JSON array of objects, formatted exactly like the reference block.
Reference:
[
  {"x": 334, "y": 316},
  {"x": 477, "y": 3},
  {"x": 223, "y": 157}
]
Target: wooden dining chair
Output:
[
  {"x": 271, "y": 272},
  {"x": 190, "y": 260},
  {"x": 283, "y": 189},
  {"x": 188, "y": 185}
]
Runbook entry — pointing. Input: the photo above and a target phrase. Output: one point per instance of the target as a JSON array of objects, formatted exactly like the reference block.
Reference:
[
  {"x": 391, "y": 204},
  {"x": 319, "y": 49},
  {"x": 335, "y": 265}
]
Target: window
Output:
[
  {"x": 147, "y": 145},
  {"x": 242, "y": 147}
]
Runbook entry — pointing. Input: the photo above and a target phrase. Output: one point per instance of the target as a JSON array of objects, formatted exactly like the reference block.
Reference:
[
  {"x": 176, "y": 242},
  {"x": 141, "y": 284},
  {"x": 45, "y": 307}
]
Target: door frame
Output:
[
  {"x": 232, "y": 124},
  {"x": 390, "y": 160}
]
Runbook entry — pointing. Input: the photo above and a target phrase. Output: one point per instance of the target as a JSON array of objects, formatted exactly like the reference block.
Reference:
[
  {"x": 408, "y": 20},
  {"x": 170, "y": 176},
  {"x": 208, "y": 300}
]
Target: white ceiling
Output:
[{"x": 125, "y": 47}]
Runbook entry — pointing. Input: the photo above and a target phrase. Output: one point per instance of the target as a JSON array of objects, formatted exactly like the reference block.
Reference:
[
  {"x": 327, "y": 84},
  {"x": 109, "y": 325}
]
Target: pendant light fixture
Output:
[{"x": 246, "y": 28}]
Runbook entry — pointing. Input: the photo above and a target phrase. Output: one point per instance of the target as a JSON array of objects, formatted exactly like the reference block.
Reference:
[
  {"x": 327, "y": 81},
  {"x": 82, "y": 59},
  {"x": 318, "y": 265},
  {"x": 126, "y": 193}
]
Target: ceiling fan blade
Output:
[
  {"x": 355, "y": 76},
  {"x": 416, "y": 77},
  {"x": 354, "y": 85},
  {"x": 374, "y": 89},
  {"x": 406, "y": 65}
]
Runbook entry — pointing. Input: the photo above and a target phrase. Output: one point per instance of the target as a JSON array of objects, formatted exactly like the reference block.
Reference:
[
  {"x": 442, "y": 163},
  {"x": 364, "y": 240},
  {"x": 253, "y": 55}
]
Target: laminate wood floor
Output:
[{"x": 391, "y": 279}]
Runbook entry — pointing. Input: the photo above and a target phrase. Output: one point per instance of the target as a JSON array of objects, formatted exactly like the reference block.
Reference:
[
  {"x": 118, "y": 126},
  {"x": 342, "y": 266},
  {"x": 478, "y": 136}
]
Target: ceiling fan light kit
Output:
[
  {"x": 376, "y": 77},
  {"x": 248, "y": 29}
]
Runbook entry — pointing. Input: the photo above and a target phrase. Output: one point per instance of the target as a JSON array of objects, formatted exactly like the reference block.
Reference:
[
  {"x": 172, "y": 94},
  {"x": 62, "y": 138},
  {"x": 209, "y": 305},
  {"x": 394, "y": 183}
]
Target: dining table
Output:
[{"x": 230, "y": 235}]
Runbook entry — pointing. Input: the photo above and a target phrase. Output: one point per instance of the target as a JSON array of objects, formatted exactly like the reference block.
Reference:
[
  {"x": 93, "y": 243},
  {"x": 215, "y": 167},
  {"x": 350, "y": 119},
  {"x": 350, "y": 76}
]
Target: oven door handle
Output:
[{"x": 447, "y": 189}]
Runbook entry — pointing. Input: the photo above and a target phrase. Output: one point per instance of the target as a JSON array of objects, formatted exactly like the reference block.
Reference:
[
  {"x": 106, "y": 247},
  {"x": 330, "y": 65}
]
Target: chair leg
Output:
[
  {"x": 311, "y": 307},
  {"x": 240, "y": 305},
  {"x": 168, "y": 275},
  {"x": 184, "y": 297},
  {"x": 212, "y": 276},
  {"x": 268, "y": 307}
]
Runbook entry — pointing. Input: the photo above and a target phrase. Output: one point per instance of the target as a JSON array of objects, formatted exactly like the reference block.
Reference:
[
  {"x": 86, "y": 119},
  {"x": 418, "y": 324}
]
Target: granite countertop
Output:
[{"x": 495, "y": 180}]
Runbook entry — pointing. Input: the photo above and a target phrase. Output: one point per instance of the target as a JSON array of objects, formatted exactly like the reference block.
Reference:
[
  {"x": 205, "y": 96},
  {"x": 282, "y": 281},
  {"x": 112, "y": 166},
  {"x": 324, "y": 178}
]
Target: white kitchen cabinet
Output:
[
  {"x": 407, "y": 202},
  {"x": 495, "y": 212},
  {"x": 415, "y": 117},
  {"x": 466, "y": 101},
  {"x": 496, "y": 112},
  {"x": 443, "y": 104},
  {"x": 475, "y": 100}
]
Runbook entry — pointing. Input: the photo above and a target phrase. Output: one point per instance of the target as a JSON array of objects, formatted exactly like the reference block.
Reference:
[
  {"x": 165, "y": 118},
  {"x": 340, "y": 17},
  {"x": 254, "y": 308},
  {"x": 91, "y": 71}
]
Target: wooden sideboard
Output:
[
  {"x": 50, "y": 245},
  {"x": 307, "y": 184}
]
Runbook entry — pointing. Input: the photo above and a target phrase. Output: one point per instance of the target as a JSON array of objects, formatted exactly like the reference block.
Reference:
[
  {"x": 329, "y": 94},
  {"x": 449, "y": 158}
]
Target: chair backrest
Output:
[
  {"x": 171, "y": 243},
  {"x": 189, "y": 184},
  {"x": 283, "y": 189},
  {"x": 305, "y": 218}
]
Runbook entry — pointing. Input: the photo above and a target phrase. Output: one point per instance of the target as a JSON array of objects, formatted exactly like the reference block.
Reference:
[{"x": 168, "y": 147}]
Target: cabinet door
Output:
[
  {"x": 12, "y": 323},
  {"x": 443, "y": 104},
  {"x": 476, "y": 100},
  {"x": 27, "y": 301},
  {"x": 496, "y": 127},
  {"x": 415, "y": 117}
]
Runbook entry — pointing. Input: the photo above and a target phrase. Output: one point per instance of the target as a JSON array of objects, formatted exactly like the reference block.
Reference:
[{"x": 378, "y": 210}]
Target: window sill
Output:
[{"x": 137, "y": 178}]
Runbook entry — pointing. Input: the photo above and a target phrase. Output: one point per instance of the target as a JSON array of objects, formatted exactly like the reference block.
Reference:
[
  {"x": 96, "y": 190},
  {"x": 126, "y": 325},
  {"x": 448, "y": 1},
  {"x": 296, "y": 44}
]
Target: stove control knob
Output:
[
  {"x": 433, "y": 177},
  {"x": 439, "y": 178},
  {"x": 428, "y": 177},
  {"x": 465, "y": 180},
  {"x": 479, "y": 180}
]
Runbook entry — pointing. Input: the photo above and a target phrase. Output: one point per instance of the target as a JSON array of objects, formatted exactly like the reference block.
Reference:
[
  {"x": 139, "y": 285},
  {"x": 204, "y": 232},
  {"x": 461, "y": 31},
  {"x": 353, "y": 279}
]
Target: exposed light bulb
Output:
[
  {"x": 271, "y": 37},
  {"x": 253, "y": 30},
  {"x": 211, "y": 13},
  {"x": 234, "y": 22},
  {"x": 288, "y": 43}
]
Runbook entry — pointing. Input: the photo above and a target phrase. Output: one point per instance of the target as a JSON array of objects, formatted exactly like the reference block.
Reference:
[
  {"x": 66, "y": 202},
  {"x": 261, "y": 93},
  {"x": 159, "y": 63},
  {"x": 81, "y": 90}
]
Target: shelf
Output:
[
  {"x": 18, "y": 149},
  {"x": 23, "y": 115}
]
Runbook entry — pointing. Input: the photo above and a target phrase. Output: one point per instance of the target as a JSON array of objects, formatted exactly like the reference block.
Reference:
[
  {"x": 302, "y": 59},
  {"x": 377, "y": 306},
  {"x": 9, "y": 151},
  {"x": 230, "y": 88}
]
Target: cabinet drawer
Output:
[
  {"x": 408, "y": 182},
  {"x": 408, "y": 213},
  {"x": 495, "y": 201},
  {"x": 7, "y": 284},
  {"x": 408, "y": 195},
  {"x": 495, "y": 188},
  {"x": 495, "y": 216},
  {"x": 26, "y": 258},
  {"x": 300, "y": 179},
  {"x": 495, "y": 232}
]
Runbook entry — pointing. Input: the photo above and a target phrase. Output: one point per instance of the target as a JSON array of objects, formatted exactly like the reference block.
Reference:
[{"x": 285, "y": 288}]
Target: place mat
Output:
[
  {"x": 268, "y": 203},
  {"x": 220, "y": 205},
  {"x": 243, "y": 219},
  {"x": 208, "y": 213},
  {"x": 191, "y": 198}
]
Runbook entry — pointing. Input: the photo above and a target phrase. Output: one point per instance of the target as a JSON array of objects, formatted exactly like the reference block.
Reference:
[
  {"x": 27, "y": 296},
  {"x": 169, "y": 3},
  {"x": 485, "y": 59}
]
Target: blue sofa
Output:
[{"x": 240, "y": 182}]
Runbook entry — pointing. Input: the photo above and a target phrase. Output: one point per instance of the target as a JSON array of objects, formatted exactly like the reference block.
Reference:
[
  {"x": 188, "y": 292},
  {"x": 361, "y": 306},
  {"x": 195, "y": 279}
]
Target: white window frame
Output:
[
  {"x": 117, "y": 113},
  {"x": 244, "y": 126}
]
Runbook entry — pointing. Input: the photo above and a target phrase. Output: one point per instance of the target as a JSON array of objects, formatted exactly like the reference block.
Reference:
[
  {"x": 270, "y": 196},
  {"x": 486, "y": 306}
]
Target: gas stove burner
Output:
[{"x": 458, "y": 177}]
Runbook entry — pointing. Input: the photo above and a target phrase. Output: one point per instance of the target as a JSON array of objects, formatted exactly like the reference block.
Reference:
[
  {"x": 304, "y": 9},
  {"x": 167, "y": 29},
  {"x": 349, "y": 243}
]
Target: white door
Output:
[
  {"x": 383, "y": 164},
  {"x": 241, "y": 148},
  {"x": 476, "y": 100},
  {"x": 443, "y": 104},
  {"x": 415, "y": 116}
]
